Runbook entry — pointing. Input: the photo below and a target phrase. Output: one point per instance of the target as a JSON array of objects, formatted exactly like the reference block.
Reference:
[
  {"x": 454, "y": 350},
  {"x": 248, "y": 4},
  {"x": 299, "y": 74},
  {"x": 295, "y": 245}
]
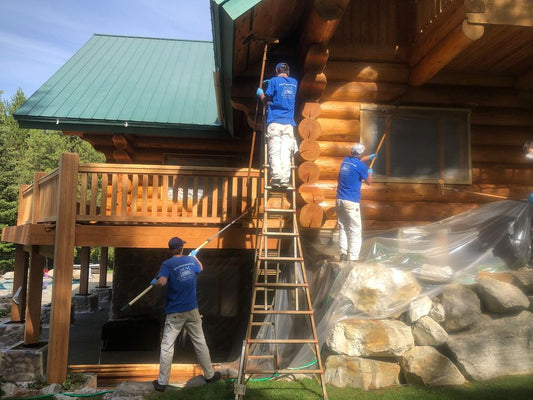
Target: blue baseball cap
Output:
[
  {"x": 530, "y": 198},
  {"x": 176, "y": 243}
]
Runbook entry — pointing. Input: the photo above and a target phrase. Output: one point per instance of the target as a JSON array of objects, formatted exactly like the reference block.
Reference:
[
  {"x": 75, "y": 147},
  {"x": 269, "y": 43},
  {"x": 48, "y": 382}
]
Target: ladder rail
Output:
[{"x": 280, "y": 288}]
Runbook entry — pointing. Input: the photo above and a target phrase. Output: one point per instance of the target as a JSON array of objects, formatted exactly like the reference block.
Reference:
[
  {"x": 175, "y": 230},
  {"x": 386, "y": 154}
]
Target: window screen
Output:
[{"x": 422, "y": 145}]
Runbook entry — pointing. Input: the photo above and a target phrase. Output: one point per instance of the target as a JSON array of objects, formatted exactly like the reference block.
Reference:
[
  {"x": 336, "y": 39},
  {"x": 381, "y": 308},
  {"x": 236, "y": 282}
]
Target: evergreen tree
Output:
[{"x": 22, "y": 153}]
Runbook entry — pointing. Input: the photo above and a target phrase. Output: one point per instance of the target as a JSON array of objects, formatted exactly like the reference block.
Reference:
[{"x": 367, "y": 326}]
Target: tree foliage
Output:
[{"x": 24, "y": 152}]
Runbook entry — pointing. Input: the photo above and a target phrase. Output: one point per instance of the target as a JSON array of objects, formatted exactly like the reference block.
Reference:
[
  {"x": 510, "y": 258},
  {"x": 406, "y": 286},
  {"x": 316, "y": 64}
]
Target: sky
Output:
[{"x": 38, "y": 36}]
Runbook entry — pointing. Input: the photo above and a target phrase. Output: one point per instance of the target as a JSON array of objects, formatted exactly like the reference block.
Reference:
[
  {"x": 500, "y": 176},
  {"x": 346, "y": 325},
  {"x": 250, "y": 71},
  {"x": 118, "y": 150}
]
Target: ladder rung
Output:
[
  {"x": 276, "y": 258},
  {"x": 263, "y": 357},
  {"x": 262, "y": 306},
  {"x": 280, "y": 210},
  {"x": 263, "y": 323},
  {"x": 282, "y": 341},
  {"x": 280, "y": 234},
  {"x": 282, "y": 312},
  {"x": 282, "y": 371},
  {"x": 280, "y": 285}
]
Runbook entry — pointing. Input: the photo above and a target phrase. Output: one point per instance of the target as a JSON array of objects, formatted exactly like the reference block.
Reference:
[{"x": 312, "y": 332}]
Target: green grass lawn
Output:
[{"x": 512, "y": 388}]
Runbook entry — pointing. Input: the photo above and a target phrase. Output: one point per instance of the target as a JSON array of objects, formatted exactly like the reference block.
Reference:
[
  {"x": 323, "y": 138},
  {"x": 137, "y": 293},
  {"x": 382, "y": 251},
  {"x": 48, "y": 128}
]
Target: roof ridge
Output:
[{"x": 152, "y": 38}]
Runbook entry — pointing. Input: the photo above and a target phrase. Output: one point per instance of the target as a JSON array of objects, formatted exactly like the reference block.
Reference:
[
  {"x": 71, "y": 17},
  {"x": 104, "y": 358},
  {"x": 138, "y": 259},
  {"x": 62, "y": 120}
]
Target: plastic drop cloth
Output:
[{"x": 494, "y": 237}]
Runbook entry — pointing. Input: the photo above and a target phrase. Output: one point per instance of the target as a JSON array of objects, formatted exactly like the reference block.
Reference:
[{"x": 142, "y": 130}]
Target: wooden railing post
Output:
[
  {"x": 36, "y": 206},
  {"x": 20, "y": 281},
  {"x": 20, "y": 212},
  {"x": 63, "y": 260},
  {"x": 32, "y": 328}
]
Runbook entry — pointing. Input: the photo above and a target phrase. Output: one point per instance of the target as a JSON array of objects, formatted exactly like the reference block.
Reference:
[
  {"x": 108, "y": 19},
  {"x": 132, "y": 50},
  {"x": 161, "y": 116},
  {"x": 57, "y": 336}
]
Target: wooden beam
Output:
[
  {"x": 20, "y": 280},
  {"x": 525, "y": 82},
  {"x": 501, "y": 12},
  {"x": 63, "y": 259},
  {"x": 32, "y": 328},
  {"x": 435, "y": 32},
  {"x": 155, "y": 237},
  {"x": 462, "y": 36},
  {"x": 29, "y": 234}
]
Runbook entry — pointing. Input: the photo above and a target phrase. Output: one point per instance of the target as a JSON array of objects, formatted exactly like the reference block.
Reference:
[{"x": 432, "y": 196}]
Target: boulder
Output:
[
  {"x": 524, "y": 280},
  {"x": 370, "y": 338},
  {"x": 419, "y": 308},
  {"x": 428, "y": 332},
  {"x": 380, "y": 291},
  {"x": 500, "y": 297},
  {"x": 425, "y": 365},
  {"x": 437, "y": 312},
  {"x": 343, "y": 371},
  {"x": 462, "y": 307},
  {"x": 495, "y": 347},
  {"x": 131, "y": 391}
]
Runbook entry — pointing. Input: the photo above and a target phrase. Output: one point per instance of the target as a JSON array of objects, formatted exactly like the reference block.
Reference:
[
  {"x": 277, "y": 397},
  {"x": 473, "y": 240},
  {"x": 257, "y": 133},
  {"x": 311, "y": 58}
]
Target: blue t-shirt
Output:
[
  {"x": 181, "y": 283},
  {"x": 353, "y": 171},
  {"x": 282, "y": 93}
]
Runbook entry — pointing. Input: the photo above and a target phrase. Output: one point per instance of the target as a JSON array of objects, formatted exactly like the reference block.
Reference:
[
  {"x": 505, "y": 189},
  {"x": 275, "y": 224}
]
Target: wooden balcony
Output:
[{"x": 124, "y": 205}]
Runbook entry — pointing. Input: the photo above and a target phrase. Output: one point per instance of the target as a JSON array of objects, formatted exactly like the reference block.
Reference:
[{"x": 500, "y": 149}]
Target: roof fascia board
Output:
[{"x": 121, "y": 127}]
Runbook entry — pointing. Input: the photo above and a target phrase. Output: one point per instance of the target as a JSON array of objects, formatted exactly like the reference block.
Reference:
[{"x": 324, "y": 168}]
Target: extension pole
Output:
[
  {"x": 257, "y": 109},
  {"x": 387, "y": 130},
  {"x": 128, "y": 306}
]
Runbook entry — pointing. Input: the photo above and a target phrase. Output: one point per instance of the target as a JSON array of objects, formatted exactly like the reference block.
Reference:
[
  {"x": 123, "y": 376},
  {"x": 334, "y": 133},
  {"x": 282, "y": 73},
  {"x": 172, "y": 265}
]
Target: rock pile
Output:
[{"x": 463, "y": 332}]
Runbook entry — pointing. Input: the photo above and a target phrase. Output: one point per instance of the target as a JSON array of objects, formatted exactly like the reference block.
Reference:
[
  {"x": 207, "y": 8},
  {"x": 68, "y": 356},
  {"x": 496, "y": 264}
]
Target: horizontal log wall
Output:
[{"x": 501, "y": 121}]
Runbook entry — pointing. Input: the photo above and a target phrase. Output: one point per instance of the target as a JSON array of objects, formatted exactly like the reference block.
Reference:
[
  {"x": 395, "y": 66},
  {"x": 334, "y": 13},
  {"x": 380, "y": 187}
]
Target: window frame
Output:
[{"x": 391, "y": 111}]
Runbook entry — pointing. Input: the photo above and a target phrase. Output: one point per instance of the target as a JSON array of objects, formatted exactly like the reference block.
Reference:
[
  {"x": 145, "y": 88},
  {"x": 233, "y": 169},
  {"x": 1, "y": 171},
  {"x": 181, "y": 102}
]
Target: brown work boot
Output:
[
  {"x": 158, "y": 386},
  {"x": 215, "y": 378}
]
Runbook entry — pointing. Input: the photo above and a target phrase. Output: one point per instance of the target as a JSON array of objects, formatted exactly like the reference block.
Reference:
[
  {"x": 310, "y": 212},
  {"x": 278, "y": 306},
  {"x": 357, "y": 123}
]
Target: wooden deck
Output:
[{"x": 140, "y": 206}]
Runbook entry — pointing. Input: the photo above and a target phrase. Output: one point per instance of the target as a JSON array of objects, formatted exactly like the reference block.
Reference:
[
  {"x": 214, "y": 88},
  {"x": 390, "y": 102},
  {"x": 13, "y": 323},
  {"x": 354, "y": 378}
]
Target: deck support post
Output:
[
  {"x": 63, "y": 259},
  {"x": 32, "y": 328},
  {"x": 20, "y": 280},
  {"x": 102, "y": 279},
  {"x": 84, "y": 271}
]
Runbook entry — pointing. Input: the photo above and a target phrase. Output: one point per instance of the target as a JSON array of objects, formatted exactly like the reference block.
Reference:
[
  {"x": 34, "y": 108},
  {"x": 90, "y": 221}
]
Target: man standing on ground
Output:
[
  {"x": 352, "y": 173},
  {"x": 280, "y": 97},
  {"x": 178, "y": 273}
]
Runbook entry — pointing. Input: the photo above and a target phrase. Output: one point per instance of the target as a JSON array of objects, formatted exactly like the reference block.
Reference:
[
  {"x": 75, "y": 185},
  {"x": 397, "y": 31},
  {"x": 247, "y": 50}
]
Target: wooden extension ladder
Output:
[{"x": 280, "y": 293}]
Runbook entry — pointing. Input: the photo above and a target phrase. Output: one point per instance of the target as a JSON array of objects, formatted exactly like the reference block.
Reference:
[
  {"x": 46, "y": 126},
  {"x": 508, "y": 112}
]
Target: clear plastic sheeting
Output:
[{"x": 494, "y": 237}]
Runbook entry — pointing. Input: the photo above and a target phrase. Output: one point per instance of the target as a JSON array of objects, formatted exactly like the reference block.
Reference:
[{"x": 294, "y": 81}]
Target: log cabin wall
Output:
[{"x": 369, "y": 62}]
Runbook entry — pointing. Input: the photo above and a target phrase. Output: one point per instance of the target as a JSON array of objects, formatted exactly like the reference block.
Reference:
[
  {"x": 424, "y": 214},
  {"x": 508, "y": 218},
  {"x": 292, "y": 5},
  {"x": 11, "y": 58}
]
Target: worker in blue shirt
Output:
[
  {"x": 280, "y": 97},
  {"x": 178, "y": 274},
  {"x": 352, "y": 174}
]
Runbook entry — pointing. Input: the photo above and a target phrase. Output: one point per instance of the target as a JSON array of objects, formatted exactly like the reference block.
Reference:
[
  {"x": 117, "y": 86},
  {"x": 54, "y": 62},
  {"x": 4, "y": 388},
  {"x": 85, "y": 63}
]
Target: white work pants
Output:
[
  {"x": 349, "y": 218},
  {"x": 281, "y": 147},
  {"x": 191, "y": 321}
]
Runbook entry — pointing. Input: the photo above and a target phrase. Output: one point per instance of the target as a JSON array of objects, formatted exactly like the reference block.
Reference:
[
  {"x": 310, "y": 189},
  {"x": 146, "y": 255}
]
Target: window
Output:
[{"x": 422, "y": 145}]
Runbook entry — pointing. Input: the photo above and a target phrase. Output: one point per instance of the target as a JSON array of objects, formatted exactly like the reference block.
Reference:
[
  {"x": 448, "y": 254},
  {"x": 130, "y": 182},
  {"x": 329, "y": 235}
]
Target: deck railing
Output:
[{"x": 132, "y": 193}]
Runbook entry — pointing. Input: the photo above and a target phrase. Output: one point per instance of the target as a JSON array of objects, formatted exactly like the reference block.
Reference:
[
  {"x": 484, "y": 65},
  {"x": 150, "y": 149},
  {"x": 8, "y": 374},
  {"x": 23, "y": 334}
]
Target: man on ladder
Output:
[
  {"x": 280, "y": 292},
  {"x": 279, "y": 98}
]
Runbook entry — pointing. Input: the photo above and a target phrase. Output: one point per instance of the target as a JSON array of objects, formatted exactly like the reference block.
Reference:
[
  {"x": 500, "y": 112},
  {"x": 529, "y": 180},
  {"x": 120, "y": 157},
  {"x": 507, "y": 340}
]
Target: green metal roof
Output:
[
  {"x": 129, "y": 84},
  {"x": 235, "y": 8}
]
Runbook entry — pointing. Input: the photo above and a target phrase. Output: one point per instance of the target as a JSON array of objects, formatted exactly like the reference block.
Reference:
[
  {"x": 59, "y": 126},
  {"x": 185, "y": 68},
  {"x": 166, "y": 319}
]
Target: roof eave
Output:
[{"x": 128, "y": 127}]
